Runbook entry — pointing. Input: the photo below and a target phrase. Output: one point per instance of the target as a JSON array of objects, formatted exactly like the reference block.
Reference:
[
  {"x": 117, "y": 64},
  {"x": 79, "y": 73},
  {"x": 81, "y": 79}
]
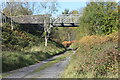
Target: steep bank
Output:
[
  {"x": 95, "y": 57},
  {"x": 21, "y": 48},
  {"x": 50, "y": 68}
]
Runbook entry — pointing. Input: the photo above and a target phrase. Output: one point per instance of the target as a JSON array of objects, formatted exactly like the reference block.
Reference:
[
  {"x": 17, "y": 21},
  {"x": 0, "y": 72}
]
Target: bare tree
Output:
[
  {"x": 15, "y": 8},
  {"x": 50, "y": 7},
  {"x": 10, "y": 5}
]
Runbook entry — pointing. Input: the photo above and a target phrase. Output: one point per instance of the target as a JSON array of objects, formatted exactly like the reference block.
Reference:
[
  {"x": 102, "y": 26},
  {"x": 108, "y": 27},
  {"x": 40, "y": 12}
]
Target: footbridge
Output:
[{"x": 64, "y": 20}]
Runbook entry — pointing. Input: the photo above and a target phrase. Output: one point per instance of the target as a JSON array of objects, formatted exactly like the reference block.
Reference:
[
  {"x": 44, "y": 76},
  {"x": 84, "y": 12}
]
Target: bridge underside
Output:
[
  {"x": 54, "y": 25},
  {"x": 65, "y": 25}
]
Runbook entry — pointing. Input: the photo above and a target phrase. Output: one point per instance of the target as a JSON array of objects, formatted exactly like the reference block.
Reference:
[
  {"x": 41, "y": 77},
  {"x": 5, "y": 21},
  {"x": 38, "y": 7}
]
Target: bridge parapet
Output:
[
  {"x": 64, "y": 20},
  {"x": 67, "y": 18},
  {"x": 30, "y": 19}
]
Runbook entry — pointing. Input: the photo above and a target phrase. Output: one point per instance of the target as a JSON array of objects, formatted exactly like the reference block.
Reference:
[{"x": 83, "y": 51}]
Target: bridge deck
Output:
[{"x": 65, "y": 20}]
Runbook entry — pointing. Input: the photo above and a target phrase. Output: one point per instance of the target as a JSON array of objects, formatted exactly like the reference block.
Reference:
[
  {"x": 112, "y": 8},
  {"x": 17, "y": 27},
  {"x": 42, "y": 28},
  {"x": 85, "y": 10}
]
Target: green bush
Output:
[{"x": 99, "y": 18}]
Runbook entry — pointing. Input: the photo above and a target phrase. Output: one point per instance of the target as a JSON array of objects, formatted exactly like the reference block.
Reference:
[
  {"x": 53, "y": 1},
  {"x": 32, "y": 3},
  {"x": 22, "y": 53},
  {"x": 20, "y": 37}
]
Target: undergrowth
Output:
[
  {"x": 95, "y": 57},
  {"x": 20, "y": 48}
]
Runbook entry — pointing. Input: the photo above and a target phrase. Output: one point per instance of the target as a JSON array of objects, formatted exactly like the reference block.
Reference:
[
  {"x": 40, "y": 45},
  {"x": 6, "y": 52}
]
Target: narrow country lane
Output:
[
  {"x": 50, "y": 72},
  {"x": 53, "y": 71}
]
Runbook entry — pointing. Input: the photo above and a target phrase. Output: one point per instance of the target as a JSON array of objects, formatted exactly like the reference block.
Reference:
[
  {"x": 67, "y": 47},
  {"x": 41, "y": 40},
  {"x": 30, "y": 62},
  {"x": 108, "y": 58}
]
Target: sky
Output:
[
  {"x": 67, "y": 4},
  {"x": 70, "y": 5},
  {"x": 73, "y": 5}
]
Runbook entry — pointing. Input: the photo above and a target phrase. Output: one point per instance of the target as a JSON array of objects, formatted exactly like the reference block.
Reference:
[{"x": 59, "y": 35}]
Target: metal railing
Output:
[
  {"x": 67, "y": 18},
  {"x": 41, "y": 19}
]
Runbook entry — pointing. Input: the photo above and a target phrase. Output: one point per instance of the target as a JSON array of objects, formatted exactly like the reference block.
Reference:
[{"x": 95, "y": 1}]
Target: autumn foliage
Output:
[
  {"x": 68, "y": 43},
  {"x": 90, "y": 40},
  {"x": 96, "y": 57}
]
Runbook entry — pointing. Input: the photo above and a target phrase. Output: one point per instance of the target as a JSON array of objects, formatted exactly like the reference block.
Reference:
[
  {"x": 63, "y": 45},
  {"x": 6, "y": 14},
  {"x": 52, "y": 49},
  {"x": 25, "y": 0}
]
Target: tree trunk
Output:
[
  {"x": 46, "y": 40},
  {"x": 11, "y": 24},
  {"x": 11, "y": 19},
  {"x": 1, "y": 20},
  {"x": 45, "y": 29},
  {"x": 69, "y": 37}
]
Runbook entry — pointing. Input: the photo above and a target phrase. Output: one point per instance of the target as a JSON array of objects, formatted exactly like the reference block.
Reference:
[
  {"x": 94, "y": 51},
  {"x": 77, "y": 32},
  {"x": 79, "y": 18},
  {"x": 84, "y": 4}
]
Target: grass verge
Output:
[{"x": 15, "y": 60}]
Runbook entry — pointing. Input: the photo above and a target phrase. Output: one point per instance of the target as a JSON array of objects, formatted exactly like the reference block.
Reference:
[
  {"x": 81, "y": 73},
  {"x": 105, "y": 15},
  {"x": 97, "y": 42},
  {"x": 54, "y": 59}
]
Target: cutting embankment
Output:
[
  {"x": 95, "y": 57},
  {"x": 50, "y": 68},
  {"x": 21, "y": 48}
]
